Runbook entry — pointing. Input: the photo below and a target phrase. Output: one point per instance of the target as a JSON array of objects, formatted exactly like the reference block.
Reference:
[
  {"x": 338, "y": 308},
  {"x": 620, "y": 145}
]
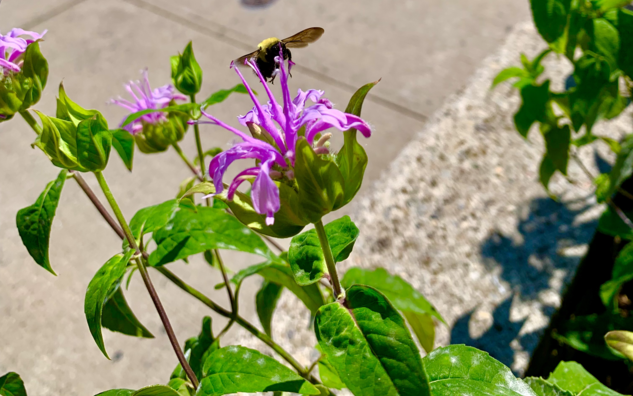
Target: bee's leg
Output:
[
  {"x": 273, "y": 75},
  {"x": 290, "y": 63}
]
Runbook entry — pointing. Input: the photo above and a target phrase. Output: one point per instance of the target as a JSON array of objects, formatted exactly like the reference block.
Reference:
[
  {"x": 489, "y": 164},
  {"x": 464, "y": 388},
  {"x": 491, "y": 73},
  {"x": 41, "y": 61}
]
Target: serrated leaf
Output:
[
  {"x": 221, "y": 95},
  {"x": 544, "y": 388},
  {"x": 352, "y": 158},
  {"x": 94, "y": 142},
  {"x": 266, "y": 302},
  {"x": 12, "y": 385},
  {"x": 306, "y": 255},
  {"x": 462, "y": 370},
  {"x": 152, "y": 218},
  {"x": 370, "y": 346},
  {"x": 191, "y": 232},
  {"x": 404, "y": 297},
  {"x": 118, "y": 316},
  {"x": 282, "y": 274},
  {"x": 550, "y": 17},
  {"x": 34, "y": 222},
  {"x": 237, "y": 369},
  {"x": 123, "y": 143},
  {"x": 101, "y": 288},
  {"x": 572, "y": 377}
]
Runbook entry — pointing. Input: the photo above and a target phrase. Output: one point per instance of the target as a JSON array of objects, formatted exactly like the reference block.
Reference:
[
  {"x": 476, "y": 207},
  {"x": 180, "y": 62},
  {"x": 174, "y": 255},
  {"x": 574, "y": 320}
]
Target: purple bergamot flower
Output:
[{"x": 12, "y": 48}]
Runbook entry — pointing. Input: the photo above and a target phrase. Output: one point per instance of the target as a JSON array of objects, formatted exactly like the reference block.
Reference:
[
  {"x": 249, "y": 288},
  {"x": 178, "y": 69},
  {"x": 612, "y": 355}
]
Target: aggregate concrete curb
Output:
[{"x": 461, "y": 215}]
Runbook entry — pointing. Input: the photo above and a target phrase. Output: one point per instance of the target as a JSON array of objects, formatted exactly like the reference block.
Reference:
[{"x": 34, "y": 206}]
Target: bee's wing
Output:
[
  {"x": 303, "y": 38},
  {"x": 240, "y": 61}
]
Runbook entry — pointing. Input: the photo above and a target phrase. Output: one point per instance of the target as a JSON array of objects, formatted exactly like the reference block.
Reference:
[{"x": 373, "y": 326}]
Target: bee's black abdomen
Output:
[{"x": 267, "y": 65}]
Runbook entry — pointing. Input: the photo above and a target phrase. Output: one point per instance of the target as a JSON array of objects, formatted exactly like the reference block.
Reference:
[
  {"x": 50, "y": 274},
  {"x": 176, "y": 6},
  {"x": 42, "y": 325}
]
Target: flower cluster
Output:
[
  {"x": 12, "y": 48},
  {"x": 144, "y": 98},
  {"x": 275, "y": 130}
]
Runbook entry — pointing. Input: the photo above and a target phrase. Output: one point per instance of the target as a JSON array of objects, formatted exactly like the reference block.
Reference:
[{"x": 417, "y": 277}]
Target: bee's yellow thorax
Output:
[{"x": 265, "y": 45}]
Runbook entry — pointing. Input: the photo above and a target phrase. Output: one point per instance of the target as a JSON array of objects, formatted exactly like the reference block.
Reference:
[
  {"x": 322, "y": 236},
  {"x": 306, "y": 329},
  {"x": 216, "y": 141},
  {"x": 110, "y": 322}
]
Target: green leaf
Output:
[
  {"x": 604, "y": 40},
  {"x": 152, "y": 218},
  {"x": 209, "y": 153},
  {"x": 118, "y": 316},
  {"x": 321, "y": 184},
  {"x": 306, "y": 256},
  {"x": 117, "y": 392},
  {"x": 621, "y": 274},
  {"x": 282, "y": 275},
  {"x": 603, "y": 185},
  {"x": 586, "y": 333},
  {"x": 416, "y": 309},
  {"x": 221, "y": 95},
  {"x": 557, "y": 141},
  {"x": 399, "y": 292},
  {"x": 75, "y": 113},
  {"x": 266, "y": 302},
  {"x": 185, "y": 186},
  {"x": 370, "y": 346},
  {"x": 188, "y": 233},
  {"x": 352, "y": 158},
  {"x": 34, "y": 222},
  {"x": 591, "y": 74},
  {"x": 621, "y": 341},
  {"x": 101, "y": 288},
  {"x": 94, "y": 142},
  {"x": 156, "y": 390},
  {"x": 35, "y": 68},
  {"x": 535, "y": 107},
  {"x": 508, "y": 73},
  {"x": 625, "y": 29},
  {"x": 237, "y": 369},
  {"x": 572, "y": 377},
  {"x": 187, "y": 74},
  {"x": 123, "y": 143},
  {"x": 546, "y": 171},
  {"x": 605, "y": 5},
  {"x": 181, "y": 386},
  {"x": 623, "y": 167},
  {"x": 550, "y": 17},
  {"x": 611, "y": 224},
  {"x": 58, "y": 141},
  {"x": 197, "y": 349},
  {"x": 12, "y": 385},
  {"x": 543, "y": 388},
  {"x": 463, "y": 370},
  {"x": 327, "y": 372}
]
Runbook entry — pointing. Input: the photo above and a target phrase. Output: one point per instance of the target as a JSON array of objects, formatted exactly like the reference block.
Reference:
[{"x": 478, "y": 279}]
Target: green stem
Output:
[
  {"x": 339, "y": 293},
  {"x": 146, "y": 279},
  {"x": 31, "y": 121},
  {"x": 196, "y": 131},
  {"x": 238, "y": 319},
  {"x": 191, "y": 166}
]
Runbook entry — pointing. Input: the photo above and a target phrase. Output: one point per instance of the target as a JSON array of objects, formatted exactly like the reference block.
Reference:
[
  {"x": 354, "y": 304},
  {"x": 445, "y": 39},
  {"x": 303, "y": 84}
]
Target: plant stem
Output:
[
  {"x": 31, "y": 121},
  {"x": 238, "y": 319},
  {"x": 196, "y": 131},
  {"x": 191, "y": 166},
  {"x": 232, "y": 297},
  {"x": 339, "y": 293},
  {"x": 146, "y": 279}
]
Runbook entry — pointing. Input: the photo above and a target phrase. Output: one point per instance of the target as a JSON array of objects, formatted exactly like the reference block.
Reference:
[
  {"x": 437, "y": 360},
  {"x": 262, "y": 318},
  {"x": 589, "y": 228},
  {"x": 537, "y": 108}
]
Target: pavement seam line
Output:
[
  {"x": 51, "y": 14},
  {"x": 403, "y": 110}
]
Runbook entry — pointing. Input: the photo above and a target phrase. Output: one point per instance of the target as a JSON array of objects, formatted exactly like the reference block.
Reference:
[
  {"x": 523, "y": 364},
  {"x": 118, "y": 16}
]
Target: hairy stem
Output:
[
  {"x": 146, "y": 279},
  {"x": 238, "y": 319},
  {"x": 31, "y": 121},
  {"x": 339, "y": 293},
  {"x": 191, "y": 166}
]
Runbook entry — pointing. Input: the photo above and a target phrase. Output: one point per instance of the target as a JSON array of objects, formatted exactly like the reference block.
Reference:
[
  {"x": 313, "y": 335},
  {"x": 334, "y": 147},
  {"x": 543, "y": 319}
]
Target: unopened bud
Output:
[{"x": 324, "y": 139}]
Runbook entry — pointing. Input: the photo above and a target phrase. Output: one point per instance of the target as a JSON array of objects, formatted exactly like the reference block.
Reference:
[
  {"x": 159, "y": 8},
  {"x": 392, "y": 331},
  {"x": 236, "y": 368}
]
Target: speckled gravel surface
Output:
[{"x": 461, "y": 215}]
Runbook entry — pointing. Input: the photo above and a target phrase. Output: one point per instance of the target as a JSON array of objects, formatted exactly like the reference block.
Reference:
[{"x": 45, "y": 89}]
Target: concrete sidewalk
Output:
[{"x": 423, "y": 50}]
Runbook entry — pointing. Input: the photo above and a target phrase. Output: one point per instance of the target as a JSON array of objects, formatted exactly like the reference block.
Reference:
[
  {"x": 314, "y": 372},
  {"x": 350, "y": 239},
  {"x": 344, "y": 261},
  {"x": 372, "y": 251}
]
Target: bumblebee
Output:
[{"x": 268, "y": 49}]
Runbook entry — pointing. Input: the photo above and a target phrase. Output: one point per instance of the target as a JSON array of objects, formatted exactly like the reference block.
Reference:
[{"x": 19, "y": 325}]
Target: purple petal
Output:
[
  {"x": 9, "y": 65},
  {"x": 239, "y": 179},
  {"x": 331, "y": 118},
  {"x": 265, "y": 194}
]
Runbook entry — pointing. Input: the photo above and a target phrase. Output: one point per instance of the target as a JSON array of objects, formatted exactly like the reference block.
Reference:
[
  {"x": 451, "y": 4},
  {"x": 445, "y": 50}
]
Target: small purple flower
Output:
[
  {"x": 279, "y": 126},
  {"x": 145, "y": 98},
  {"x": 13, "y": 46}
]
